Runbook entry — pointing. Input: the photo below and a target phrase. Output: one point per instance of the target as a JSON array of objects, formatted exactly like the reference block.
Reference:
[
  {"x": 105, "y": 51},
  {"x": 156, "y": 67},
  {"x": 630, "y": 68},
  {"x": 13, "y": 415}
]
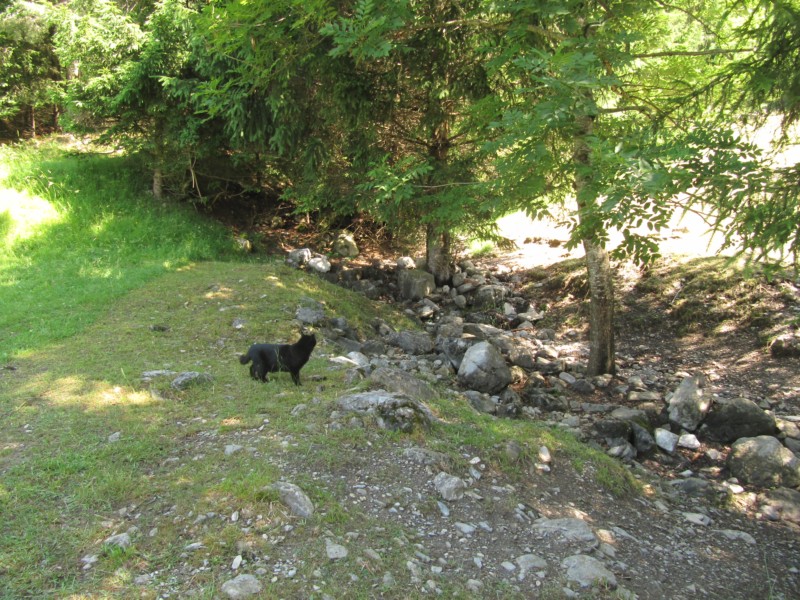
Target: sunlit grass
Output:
[{"x": 78, "y": 231}]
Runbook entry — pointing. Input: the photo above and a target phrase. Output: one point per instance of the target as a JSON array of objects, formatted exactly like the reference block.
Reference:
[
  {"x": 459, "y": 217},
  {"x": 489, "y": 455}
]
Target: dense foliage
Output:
[{"x": 437, "y": 116}]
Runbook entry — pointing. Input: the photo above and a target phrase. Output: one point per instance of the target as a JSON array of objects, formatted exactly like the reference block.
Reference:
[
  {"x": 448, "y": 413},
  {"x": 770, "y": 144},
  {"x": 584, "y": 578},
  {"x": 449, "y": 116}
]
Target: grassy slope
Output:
[
  {"x": 65, "y": 487},
  {"x": 78, "y": 231}
]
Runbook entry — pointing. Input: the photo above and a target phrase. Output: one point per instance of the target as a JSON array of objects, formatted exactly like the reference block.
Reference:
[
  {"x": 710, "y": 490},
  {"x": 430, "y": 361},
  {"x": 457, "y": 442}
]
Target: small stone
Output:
[
  {"x": 241, "y": 586},
  {"x": 666, "y": 440},
  {"x": 114, "y": 437},
  {"x": 465, "y": 528},
  {"x": 735, "y": 535},
  {"x": 232, "y": 449},
  {"x": 508, "y": 566},
  {"x": 190, "y": 378},
  {"x": 697, "y": 518},
  {"x": 122, "y": 540},
  {"x": 449, "y": 486},
  {"x": 237, "y": 562},
  {"x": 335, "y": 551},
  {"x": 544, "y": 455},
  {"x": 293, "y": 497},
  {"x": 527, "y": 562},
  {"x": 587, "y": 571},
  {"x": 689, "y": 440}
]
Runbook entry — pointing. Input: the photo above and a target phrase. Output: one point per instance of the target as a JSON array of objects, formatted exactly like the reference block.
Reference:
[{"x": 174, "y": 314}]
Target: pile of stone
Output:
[{"x": 482, "y": 336}]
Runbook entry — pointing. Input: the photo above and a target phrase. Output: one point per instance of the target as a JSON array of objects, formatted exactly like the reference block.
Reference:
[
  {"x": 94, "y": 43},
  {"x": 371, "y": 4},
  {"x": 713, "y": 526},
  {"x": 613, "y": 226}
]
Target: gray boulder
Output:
[
  {"x": 393, "y": 411},
  {"x": 490, "y": 295},
  {"x": 454, "y": 348},
  {"x": 689, "y": 403},
  {"x": 411, "y": 342},
  {"x": 395, "y": 380},
  {"x": 730, "y": 420},
  {"x": 484, "y": 369},
  {"x": 415, "y": 284},
  {"x": 764, "y": 462}
]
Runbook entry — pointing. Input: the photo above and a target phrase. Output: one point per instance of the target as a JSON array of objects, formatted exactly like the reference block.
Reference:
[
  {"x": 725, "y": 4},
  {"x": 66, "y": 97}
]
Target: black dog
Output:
[{"x": 271, "y": 358}]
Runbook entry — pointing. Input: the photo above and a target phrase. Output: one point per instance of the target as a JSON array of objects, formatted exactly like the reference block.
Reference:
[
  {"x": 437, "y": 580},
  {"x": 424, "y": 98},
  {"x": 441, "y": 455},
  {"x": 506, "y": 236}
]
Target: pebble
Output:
[
  {"x": 241, "y": 586},
  {"x": 335, "y": 551}
]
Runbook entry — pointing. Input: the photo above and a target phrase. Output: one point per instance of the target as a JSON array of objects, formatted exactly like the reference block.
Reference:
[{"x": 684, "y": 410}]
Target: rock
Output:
[
  {"x": 406, "y": 262},
  {"x": 764, "y": 462},
  {"x": 115, "y": 437},
  {"x": 299, "y": 256},
  {"x": 335, "y": 551},
  {"x": 190, "y": 378},
  {"x": 613, "y": 428},
  {"x": 783, "y": 502},
  {"x": 529, "y": 562},
  {"x": 697, "y": 518},
  {"x": 295, "y": 498},
  {"x": 391, "y": 410},
  {"x": 643, "y": 440},
  {"x": 395, "y": 380},
  {"x": 320, "y": 264},
  {"x": 568, "y": 529},
  {"x": 483, "y": 369},
  {"x": 483, "y": 403},
  {"x": 692, "y": 486},
  {"x": 121, "y": 540},
  {"x": 735, "y": 535},
  {"x": 241, "y": 586},
  {"x": 666, "y": 440},
  {"x": 689, "y": 403},
  {"x": 730, "y": 420},
  {"x": 454, "y": 348},
  {"x": 689, "y": 440},
  {"x": 149, "y": 375},
  {"x": 345, "y": 245},
  {"x": 310, "y": 313},
  {"x": 786, "y": 345},
  {"x": 449, "y": 486},
  {"x": 424, "y": 456},
  {"x": 415, "y": 284},
  {"x": 411, "y": 342},
  {"x": 587, "y": 572},
  {"x": 232, "y": 449},
  {"x": 490, "y": 296}
]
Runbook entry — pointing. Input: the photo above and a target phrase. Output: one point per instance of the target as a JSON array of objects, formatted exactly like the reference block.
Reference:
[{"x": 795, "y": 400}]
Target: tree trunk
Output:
[
  {"x": 438, "y": 246},
  {"x": 438, "y": 254},
  {"x": 158, "y": 183},
  {"x": 598, "y": 266},
  {"x": 601, "y": 310}
]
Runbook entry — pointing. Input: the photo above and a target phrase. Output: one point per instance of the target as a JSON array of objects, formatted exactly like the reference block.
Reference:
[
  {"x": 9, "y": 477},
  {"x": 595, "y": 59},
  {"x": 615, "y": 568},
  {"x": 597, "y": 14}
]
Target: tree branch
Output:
[{"x": 714, "y": 52}]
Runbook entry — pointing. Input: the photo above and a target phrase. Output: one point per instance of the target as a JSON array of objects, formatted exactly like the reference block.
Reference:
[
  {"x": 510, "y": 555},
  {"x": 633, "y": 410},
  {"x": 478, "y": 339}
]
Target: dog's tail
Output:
[{"x": 244, "y": 359}]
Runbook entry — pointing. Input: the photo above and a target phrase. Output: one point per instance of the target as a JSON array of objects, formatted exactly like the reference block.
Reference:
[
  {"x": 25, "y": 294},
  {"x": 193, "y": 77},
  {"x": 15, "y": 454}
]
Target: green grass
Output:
[
  {"x": 78, "y": 231},
  {"x": 89, "y": 265}
]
